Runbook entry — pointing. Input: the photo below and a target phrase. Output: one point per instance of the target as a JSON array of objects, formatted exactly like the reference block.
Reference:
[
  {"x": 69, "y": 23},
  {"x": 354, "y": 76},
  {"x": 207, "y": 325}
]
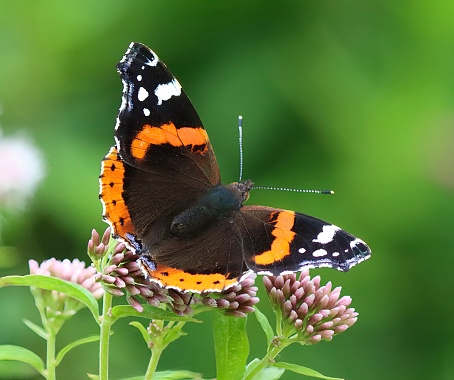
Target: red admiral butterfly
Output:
[{"x": 162, "y": 195}]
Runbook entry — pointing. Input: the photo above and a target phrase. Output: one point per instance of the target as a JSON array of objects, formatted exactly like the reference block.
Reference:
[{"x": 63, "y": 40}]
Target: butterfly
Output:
[{"x": 162, "y": 195}]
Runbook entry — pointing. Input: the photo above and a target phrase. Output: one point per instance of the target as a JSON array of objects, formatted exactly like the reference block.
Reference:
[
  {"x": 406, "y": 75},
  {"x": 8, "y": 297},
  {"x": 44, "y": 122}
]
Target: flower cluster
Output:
[
  {"x": 56, "y": 307},
  {"x": 73, "y": 271},
  {"x": 307, "y": 310},
  {"x": 124, "y": 274}
]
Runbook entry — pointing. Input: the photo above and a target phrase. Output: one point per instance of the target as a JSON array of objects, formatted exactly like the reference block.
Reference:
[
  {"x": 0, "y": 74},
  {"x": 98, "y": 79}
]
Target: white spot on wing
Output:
[
  {"x": 335, "y": 254},
  {"x": 142, "y": 94},
  {"x": 327, "y": 234},
  {"x": 301, "y": 250},
  {"x": 139, "y": 78},
  {"x": 146, "y": 112},
  {"x": 165, "y": 91},
  {"x": 319, "y": 253}
]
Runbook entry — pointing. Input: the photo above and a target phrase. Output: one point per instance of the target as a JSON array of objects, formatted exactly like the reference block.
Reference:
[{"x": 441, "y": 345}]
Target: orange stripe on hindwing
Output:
[
  {"x": 179, "y": 279},
  {"x": 115, "y": 210},
  {"x": 168, "y": 134},
  {"x": 283, "y": 236}
]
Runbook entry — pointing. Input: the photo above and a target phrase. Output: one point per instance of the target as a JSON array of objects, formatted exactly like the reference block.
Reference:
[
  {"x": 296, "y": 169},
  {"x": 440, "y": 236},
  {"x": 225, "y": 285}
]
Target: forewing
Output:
[{"x": 163, "y": 160}]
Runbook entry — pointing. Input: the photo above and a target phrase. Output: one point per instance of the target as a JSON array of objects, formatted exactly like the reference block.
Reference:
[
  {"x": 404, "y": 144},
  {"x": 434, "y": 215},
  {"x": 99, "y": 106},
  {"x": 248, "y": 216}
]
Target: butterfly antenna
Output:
[
  {"x": 240, "y": 140},
  {"x": 295, "y": 190}
]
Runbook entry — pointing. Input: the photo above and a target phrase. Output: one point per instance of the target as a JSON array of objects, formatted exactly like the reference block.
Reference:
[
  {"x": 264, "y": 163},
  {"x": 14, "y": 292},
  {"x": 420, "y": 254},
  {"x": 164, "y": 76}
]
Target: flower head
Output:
[
  {"x": 73, "y": 271},
  {"x": 307, "y": 311},
  {"x": 123, "y": 276},
  {"x": 56, "y": 307}
]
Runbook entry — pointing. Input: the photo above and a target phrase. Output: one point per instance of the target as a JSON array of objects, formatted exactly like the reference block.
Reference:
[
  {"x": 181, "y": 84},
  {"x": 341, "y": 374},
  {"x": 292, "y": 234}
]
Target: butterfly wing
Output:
[
  {"x": 163, "y": 159},
  {"x": 277, "y": 241}
]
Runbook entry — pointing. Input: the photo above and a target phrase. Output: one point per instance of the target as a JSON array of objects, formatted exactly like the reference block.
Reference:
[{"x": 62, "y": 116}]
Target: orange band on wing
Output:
[
  {"x": 283, "y": 236},
  {"x": 167, "y": 134},
  {"x": 177, "y": 278},
  {"x": 111, "y": 190}
]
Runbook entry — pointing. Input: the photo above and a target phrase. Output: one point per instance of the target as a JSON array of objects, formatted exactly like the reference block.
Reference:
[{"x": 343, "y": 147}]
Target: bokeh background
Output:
[{"x": 355, "y": 96}]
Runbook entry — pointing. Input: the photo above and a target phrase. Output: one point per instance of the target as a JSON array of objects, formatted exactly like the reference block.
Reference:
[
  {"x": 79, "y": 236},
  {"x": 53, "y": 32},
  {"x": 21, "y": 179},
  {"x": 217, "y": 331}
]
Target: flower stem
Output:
[
  {"x": 50, "y": 355},
  {"x": 153, "y": 364},
  {"x": 106, "y": 324},
  {"x": 168, "y": 334}
]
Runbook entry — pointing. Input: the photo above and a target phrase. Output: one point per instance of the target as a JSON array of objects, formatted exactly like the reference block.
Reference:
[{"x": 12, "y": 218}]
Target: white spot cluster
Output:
[
  {"x": 165, "y": 91},
  {"x": 327, "y": 234}
]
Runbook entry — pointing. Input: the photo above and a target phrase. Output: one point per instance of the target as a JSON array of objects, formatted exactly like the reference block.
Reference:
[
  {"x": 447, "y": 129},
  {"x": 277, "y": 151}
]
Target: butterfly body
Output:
[{"x": 162, "y": 195}]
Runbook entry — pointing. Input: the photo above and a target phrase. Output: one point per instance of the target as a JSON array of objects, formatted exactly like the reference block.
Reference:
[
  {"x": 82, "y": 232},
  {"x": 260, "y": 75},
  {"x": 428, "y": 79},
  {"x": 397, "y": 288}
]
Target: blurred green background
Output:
[{"x": 355, "y": 96}]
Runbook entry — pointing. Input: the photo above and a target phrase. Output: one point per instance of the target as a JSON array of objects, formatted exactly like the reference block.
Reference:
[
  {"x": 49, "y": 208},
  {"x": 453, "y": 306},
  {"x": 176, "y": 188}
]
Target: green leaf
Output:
[
  {"x": 231, "y": 346},
  {"x": 267, "y": 373},
  {"x": 36, "y": 329},
  {"x": 176, "y": 375},
  {"x": 251, "y": 365},
  {"x": 169, "y": 375},
  {"x": 20, "y": 354},
  {"x": 149, "y": 312},
  {"x": 263, "y": 320},
  {"x": 303, "y": 371},
  {"x": 143, "y": 331},
  {"x": 72, "y": 345},
  {"x": 52, "y": 283}
]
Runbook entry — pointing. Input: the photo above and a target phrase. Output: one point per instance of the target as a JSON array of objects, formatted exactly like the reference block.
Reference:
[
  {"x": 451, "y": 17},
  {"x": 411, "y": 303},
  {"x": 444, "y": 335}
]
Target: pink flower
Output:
[
  {"x": 315, "y": 312},
  {"x": 73, "y": 271}
]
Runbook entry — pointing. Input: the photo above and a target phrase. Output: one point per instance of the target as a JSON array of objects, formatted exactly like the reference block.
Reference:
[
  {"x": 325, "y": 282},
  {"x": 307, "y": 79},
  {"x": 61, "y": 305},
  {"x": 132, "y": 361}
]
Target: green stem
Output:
[
  {"x": 160, "y": 343},
  {"x": 106, "y": 324},
  {"x": 153, "y": 364},
  {"x": 50, "y": 355},
  {"x": 279, "y": 331}
]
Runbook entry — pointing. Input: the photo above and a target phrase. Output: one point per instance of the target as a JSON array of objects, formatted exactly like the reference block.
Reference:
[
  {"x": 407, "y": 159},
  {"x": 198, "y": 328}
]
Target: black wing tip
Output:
[{"x": 137, "y": 52}]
